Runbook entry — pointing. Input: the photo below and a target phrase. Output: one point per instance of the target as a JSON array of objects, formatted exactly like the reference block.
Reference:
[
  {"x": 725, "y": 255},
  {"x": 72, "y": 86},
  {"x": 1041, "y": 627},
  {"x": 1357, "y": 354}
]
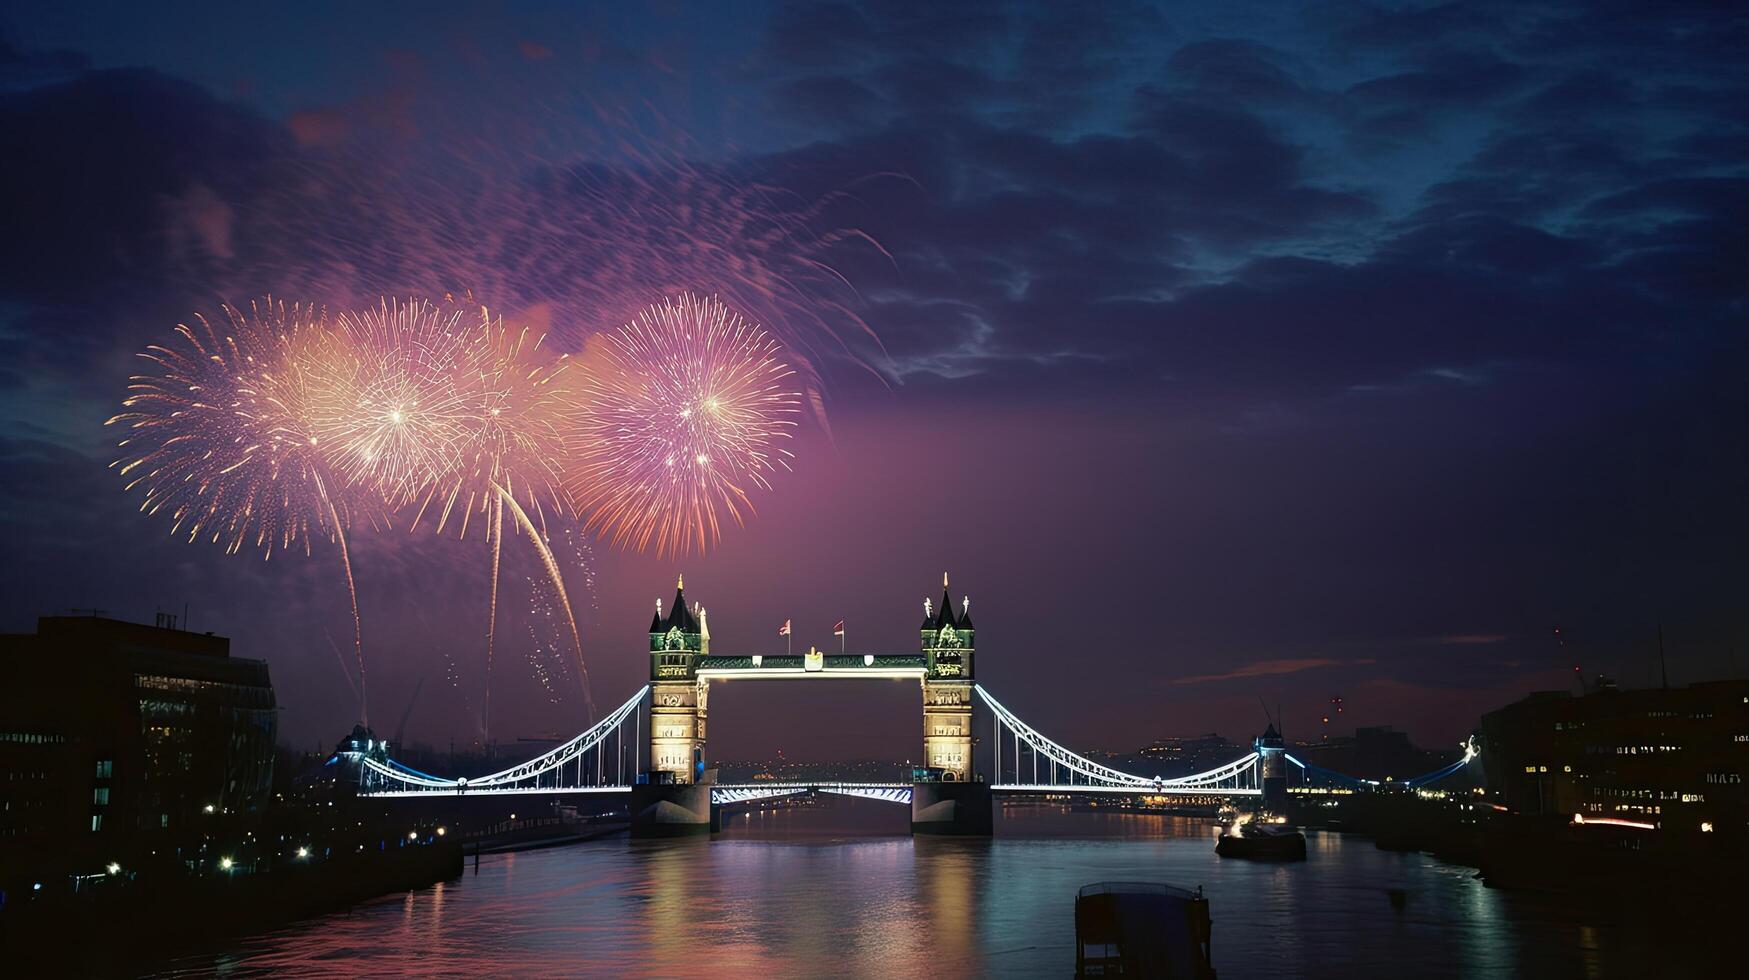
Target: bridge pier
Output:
[
  {"x": 952, "y": 809},
  {"x": 671, "y": 810}
]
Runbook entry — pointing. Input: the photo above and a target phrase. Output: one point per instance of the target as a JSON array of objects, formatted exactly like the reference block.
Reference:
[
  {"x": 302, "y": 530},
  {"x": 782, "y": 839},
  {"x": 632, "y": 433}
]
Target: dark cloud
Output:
[
  {"x": 95, "y": 201},
  {"x": 1228, "y": 68}
]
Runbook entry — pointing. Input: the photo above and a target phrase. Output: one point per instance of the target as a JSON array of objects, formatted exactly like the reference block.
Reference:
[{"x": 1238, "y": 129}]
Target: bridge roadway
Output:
[
  {"x": 726, "y": 793},
  {"x": 730, "y": 793}
]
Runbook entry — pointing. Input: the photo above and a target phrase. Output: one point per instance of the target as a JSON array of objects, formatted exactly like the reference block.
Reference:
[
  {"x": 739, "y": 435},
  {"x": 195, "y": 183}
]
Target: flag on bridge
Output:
[
  {"x": 784, "y": 629},
  {"x": 839, "y": 629}
]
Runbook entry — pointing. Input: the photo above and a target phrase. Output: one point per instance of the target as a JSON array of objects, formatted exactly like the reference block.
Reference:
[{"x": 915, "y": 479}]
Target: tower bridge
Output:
[{"x": 664, "y": 727}]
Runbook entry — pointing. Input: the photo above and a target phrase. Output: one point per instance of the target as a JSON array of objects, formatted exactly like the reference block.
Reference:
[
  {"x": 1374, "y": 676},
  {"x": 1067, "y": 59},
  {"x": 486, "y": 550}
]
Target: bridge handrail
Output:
[
  {"x": 545, "y": 762},
  {"x": 748, "y": 792}
]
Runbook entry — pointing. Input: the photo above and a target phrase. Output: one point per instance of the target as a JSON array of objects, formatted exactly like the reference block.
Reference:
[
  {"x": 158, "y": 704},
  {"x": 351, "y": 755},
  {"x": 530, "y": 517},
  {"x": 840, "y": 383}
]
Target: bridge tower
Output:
[
  {"x": 950, "y": 801},
  {"x": 1272, "y": 769},
  {"x": 947, "y": 687},
  {"x": 672, "y": 800},
  {"x": 677, "y": 696}
]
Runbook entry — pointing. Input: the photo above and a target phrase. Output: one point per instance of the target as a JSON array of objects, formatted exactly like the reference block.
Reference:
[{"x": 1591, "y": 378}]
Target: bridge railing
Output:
[{"x": 749, "y": 792}]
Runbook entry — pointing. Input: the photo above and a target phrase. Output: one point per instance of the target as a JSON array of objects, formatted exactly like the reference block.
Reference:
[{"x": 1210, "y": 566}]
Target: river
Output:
[{"x": 843, "y": 890}]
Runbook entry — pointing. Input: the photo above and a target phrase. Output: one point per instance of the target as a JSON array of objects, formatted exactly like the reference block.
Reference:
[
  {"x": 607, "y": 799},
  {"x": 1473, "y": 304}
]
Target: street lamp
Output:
[{"x": 225, "y": 863}]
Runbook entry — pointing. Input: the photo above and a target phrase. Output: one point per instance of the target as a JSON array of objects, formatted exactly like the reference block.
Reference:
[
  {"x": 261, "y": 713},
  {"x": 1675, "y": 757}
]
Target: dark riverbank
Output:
[
  {"x": 121, "y": 930},
  {"x": 1624, "y": 863},
  {"x": 147, "y": 919}
]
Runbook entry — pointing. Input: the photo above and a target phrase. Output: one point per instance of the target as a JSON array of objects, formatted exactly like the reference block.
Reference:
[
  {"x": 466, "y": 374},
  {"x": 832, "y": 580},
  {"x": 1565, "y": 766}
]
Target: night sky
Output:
[{"x": 1220, "y": 354}]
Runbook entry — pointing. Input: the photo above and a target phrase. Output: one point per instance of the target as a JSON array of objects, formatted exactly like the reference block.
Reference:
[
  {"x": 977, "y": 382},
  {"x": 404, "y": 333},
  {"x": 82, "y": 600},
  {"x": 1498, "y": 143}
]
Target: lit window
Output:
[
  {"x": 100, "y": 796},
  {"x": 96, "y": 822}
]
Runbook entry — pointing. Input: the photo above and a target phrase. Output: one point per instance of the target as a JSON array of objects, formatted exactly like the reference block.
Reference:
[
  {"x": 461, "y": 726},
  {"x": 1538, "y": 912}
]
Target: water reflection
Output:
[{"x": 843, "y": 891}]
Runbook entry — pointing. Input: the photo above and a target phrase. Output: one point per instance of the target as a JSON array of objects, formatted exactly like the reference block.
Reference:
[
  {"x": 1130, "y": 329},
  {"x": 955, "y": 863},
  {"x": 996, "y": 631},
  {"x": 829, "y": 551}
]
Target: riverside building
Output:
[{"x": 118, "y": 738}]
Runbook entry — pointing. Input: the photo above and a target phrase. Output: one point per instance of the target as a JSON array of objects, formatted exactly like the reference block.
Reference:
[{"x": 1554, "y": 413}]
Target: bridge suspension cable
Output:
[
  {"x": 1067, "y": 770},
  {"x": 562, "y": 768},
  {"x": 1413, "y": 782}
]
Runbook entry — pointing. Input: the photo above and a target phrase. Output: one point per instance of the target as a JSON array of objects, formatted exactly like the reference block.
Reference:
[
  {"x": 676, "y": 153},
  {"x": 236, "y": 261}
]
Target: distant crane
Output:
[
  {"x": 1336, "y": 703},
  {"x": 401, "y": 729},
  {"x": 1578, "y": 675}
]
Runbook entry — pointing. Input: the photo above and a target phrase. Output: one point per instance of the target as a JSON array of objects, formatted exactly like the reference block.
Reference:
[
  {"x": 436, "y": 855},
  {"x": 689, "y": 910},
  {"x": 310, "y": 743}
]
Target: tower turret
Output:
[
  {"x": 677, "y": 640},
  {"x": 947, "y": 637},
  {"x": 1271, "y": 750}
]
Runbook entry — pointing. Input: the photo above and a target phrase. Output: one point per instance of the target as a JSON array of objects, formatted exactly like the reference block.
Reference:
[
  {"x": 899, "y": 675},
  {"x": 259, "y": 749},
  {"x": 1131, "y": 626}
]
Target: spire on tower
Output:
[
  {"x": 936, "y": 615},
  {"x": 678, "y": 615}
]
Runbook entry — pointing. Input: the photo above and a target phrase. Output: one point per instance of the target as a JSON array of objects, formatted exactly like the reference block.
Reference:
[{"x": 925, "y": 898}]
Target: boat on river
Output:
[
  {"x": 1261, "y": 838},
  {"x": 1142, "y": 929}
]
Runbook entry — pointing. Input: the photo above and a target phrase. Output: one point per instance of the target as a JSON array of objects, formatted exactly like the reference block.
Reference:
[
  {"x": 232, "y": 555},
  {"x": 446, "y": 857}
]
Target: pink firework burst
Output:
[
  {"x": 219, "y": 433},
  {"x": 391, "y": 404},
  {"x": 689, "y": 410}
]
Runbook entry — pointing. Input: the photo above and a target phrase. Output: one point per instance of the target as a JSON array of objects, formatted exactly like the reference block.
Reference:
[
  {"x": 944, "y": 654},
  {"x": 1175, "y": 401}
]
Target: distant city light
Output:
[
  {"x": 303, "y": 852},
  {"x": 441, "y": 831},
  {"x": 114, "y": 868},
  {"x": 412, "y": 835},
  {"x": 225, "y": 863},
  {"x": 208, "y": 808}
]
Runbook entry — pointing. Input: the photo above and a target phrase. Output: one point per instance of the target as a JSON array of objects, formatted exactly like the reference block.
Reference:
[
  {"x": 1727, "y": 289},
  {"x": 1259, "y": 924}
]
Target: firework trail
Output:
[
  {"x": 525, "y": 401},
  {"x": 688, "y": 406},
  {"x": 220, "y": 436},
  {"x": 448, "y": 412},
  {"x": 545, "y": 657}
]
